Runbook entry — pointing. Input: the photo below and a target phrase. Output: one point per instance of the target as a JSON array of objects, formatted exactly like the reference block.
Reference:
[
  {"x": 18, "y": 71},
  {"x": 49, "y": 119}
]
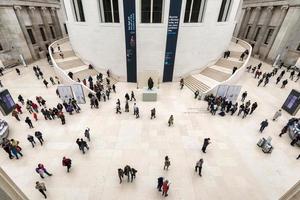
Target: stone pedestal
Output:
[{"x": 149, "y": 95}]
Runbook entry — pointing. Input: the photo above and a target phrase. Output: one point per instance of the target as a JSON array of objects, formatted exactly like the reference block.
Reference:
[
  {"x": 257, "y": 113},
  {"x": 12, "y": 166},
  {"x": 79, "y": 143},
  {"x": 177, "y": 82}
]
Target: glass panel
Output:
[
  {"x": 157, "y": 11},
  {"x": 146, "y": 7},
  {"x": 195, "y": 11},
  {"x": 107, "y": 11},
  {"x": 116, "y": 11},
  {"x": 187, "y": 10}
]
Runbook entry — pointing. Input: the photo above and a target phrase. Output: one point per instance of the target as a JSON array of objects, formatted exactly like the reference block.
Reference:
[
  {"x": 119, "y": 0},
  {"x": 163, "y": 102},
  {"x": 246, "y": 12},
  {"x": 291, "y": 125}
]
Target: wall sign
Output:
[
  {"x": 130, "y": 38},
  {"x": 172, "y": 34}
]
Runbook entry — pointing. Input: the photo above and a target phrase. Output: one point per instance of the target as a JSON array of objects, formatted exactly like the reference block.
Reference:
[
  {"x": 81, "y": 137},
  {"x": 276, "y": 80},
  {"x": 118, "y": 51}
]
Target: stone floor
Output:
[{"x": 234, "y": 167}]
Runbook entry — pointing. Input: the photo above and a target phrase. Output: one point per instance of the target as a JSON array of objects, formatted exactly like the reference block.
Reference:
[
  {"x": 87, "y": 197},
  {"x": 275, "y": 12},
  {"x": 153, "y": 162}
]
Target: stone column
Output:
[
  {"x": 55, "y": 22},
  {"x": 245, "y": 23},
  {"x": 264, "y": 29},
  {"x": 24, "y": 30},
  {"x": 281, "y": 19},
  {"x": 36, "y": 29},
  {"x": 257, "y": 13},
  {"x": 46, "y": 24}
]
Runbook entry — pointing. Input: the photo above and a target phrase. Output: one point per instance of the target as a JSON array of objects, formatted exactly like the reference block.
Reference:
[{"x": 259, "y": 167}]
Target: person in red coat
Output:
[
  {"x": 19, "y": 108},
  {"x": 67, "y": 162},
  {"x": 165, "y": 188}
]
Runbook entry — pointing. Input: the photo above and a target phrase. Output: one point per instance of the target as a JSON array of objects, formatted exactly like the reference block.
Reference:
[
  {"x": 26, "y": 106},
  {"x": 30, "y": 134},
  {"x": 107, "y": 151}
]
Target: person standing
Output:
[
  {"x": 39, "y": 136},
  {"x": 165, "y": 188},
  {"x": 283, "y": 130},
  {"x": 167, "y": 163},
  {"x": 127, "y": 173},
  {"x": 15, "y": 148},
  {"x": 171, "y": 120},
  {"x": 181, "y": 83},
  {"x": 199, "y": 166},
  {"x": 52, "y": 80},
  {"x": 18, "y": 71},
  {"x": 126, "y": 106},
  {"x": 45, "y": 83},
  {"x": 253, "y": 107},
  {"x": 133, "y": 173},
  {"x": 28, "y": 121},
  {"x": 160, "y": 182},
  {"x": 83, "y": 145},
  {"x": 120, "y": 174},
  {"x": 6, "y": 145},
  {"x": 260, "y": 81},
  {"x": 67, "y": 162},
  {"x": 284, "y": 83},
  {"x": 30, "y": 138},
  {"x": 206, "y": 142},
  {"x": 153, "y": 112},
  {"x": 244, "y": 95},
  {"x": 298, "y": 157},
  {"x": 263, "y": 125},
  {"x": 234, "y": 70},
  {"x": 40, "y": 186},
  {"x": 277, "y": 115},
  {"x": 278, "y": 79},
  {"x": 87, "y": 134}
]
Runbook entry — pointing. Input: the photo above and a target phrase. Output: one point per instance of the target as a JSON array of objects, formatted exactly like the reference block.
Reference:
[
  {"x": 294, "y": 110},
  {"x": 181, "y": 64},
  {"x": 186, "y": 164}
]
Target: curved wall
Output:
[{"x": 103, "y": 44}]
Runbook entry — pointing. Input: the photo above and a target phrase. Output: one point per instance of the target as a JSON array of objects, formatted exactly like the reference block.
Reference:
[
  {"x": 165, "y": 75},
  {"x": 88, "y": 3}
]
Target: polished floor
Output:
[{"x": 234, "y": 167}]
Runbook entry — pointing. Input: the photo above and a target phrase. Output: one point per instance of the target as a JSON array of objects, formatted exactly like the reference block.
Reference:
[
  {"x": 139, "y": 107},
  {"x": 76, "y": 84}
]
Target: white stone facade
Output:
[{"x": 103, "y": 44}]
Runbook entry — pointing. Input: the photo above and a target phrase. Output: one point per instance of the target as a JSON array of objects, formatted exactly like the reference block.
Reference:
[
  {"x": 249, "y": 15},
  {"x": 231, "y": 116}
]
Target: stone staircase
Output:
[
  {"x": 72, "y": 63},
  {"x": 213, "y": 75}
]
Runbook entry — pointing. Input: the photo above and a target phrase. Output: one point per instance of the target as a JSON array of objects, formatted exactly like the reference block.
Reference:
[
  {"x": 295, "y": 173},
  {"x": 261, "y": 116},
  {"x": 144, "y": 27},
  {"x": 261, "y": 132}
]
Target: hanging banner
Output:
[
  {"x": 130, "y": 38},
  {"x": 78, "y": 93},
  {"x": 172, "y": 34},
  {"x": 65, "y": 92}
]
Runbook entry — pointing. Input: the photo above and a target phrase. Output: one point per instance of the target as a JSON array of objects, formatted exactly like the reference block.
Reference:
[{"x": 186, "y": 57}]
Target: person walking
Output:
[
  {"x": 244, "y": 95},
  {"x": 165, "y": 188},
  {"x": 39, "y": 136},
  {"x": 167, "y": 163},
  {"x": 260, "y": 81},
  {"x": 283, "y": 130},
  {"x": 153, "y": 112},
  {"x": 83, "y": 145},
  {"x": 15, "y": 148},
  {"x": 40, "y": 186},
  {"x": 196, "y": 94},
  {"x": 263, "y": 125},
  {"x": 45, "y": 83},
  {"x": 67, "y": 162},
  {"x": 15, "y": 114},
  {"x": 28, "y": 121},
  {"x": 253, "y": 107},
  {"x": 160, "y": 182},
  {"x": 181, "y": 83},
  {"x": 41, "y": 167},
  {"x": 277, "y": 115},
  {"x": 120, "y": 174},
  {"x": 6, "y": 145},
  {"x": 34, "y": 115},
  {"x": 132, "y": 96},
  {"x": 199, "y": 166},
  {"x": 30, "y": 138},
  {"x": 298, "y": 157},
  {"x": 171, "y": 120},
  {"x": 87, "y": 134},
  {"x": 137, "y": 112},
  {"x": 126, "y": 106},
  {"x": 206, "y": 142}
]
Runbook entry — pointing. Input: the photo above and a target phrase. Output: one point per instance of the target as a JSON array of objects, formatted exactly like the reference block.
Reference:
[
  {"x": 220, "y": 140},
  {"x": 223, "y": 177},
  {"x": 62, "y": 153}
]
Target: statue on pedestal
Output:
[{"x": 150, "y": 83}]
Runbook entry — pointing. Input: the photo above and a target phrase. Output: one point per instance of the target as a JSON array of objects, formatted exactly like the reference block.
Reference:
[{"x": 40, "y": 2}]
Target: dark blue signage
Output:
[
  {"x": 130, "y": 37},
  {"x": 173, "y": 27}
]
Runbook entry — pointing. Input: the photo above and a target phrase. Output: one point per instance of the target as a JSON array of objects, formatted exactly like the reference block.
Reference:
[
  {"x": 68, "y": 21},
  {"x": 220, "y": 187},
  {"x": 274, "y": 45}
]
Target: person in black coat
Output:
[
  {"x": 160, "y": 182},
  {"x": 263, "y": 125},
  {"x": 205, "y": 144},
  {"x": 253, "y": 107}
]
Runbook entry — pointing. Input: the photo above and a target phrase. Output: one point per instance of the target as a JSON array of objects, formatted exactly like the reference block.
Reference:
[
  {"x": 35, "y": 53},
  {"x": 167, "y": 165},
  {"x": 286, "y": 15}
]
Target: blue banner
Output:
[
  {"x": 172, "y": 34},
  {"x": 130, "y": 37}
]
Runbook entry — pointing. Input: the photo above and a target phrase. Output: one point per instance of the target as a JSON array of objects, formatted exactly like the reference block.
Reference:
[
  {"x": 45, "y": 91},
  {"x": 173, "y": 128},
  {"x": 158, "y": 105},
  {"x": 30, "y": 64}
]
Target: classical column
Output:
[
  {"x": 36, "y": 29},
  {"x": 45, "y": 22},
  {"x": 245, "y": 23},
  {"x": 264, "y": 29},
  {"x": 257, "y": 13},
  {"x": 25, "y": 33},
  {"x": 55, "y": 22},
  {"x": 281, "y": 19}
]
